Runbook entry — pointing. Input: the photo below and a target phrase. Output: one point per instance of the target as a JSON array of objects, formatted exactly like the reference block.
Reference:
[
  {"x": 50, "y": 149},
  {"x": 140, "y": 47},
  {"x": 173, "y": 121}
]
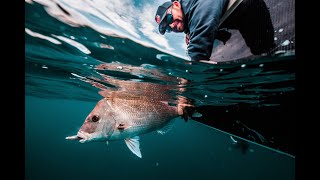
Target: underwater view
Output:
[{"x": 108, "y": 97}]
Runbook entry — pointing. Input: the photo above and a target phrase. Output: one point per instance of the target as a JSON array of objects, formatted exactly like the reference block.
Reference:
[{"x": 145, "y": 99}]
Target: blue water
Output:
[
  {"x": 190, "y": 150},
  {"x": 68, "y": 64}
]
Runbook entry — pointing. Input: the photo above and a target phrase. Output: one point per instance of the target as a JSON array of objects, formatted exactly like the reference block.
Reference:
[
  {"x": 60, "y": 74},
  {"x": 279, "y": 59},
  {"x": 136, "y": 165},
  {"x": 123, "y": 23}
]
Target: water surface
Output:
[{"x": 67, "y": 64}]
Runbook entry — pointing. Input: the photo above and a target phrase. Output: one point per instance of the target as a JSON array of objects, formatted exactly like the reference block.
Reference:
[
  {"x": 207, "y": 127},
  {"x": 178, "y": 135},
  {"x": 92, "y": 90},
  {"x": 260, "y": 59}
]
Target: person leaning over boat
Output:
[{"x": 203, "y": 21}]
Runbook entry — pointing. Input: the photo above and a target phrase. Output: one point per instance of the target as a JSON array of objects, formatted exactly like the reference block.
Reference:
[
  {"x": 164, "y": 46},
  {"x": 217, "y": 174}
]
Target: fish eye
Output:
[{"x": 95, "y": 118}]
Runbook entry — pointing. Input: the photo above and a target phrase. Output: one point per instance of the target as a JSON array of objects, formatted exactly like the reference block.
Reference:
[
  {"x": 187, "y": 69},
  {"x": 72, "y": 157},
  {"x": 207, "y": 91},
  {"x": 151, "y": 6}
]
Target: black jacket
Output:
[{"x": 202, "y": 18}]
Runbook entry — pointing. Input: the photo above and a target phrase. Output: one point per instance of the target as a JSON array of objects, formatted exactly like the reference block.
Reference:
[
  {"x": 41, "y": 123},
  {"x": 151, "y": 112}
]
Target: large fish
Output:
[{"x": 126, "y": 116}]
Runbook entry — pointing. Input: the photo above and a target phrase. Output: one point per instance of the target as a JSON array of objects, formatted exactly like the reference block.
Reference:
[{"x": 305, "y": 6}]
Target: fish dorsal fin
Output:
[
  {"x": 166, "y": 128},
  {"x": 134, "y": 145}
]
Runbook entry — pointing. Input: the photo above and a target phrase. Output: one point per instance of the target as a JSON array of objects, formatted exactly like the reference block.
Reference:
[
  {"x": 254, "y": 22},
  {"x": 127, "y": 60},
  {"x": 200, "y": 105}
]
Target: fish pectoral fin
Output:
[
  {"x": 134, "y": 145},
  {"x": 122, "y": 126}
]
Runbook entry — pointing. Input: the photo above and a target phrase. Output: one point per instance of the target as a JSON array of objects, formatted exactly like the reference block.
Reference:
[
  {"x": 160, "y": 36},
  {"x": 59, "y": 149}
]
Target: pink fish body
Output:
[{"x": 126, "y": 117}]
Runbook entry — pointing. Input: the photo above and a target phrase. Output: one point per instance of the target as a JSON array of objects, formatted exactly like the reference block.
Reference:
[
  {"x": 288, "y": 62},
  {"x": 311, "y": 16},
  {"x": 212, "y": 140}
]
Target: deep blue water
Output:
[
  {"x": 67, "y": 65},
  {"x": 190, "y": 150}
]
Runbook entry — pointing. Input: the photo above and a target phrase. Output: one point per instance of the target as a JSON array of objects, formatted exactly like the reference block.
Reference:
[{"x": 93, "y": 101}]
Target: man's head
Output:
[{"x": 170, "y": 17}]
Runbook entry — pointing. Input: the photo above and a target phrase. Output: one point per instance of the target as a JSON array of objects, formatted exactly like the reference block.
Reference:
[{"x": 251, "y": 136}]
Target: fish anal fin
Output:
[
  {"x": 134, "y": 145},
  {"x": 166, "y": 128}
]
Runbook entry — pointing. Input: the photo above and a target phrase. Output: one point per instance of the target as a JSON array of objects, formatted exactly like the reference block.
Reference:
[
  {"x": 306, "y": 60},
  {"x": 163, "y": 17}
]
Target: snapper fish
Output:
[{"x": 126, "y": 117}]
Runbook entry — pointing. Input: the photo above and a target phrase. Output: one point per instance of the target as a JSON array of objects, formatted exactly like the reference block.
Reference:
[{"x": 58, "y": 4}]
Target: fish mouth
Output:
[{"x": 81, "y": 136}]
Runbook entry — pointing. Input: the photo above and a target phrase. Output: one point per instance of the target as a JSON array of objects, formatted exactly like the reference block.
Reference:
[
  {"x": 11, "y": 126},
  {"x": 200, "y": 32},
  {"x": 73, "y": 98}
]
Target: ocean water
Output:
[{"x": 75, "y": 50}]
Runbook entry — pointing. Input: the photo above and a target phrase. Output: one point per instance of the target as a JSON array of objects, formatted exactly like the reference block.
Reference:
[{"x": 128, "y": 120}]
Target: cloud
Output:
[{"x": 150, "y": 28}]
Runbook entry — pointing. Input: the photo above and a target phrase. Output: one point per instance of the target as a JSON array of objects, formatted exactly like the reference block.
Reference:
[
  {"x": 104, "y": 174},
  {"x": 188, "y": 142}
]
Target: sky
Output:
[{"x": 132, "y": 19}]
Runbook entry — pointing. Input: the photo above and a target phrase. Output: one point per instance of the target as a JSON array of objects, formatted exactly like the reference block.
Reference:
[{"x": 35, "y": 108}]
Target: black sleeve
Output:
[{"x": 203, "y": 26}]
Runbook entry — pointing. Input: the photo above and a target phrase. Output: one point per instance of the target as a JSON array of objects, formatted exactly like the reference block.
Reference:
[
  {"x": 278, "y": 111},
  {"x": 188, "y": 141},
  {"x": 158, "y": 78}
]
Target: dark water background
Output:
[{"x": 63, "y": 79}]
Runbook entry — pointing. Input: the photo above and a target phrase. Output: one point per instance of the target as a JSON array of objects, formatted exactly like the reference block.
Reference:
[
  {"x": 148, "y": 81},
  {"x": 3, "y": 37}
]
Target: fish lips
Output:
[{"x": 82, "y": 136}]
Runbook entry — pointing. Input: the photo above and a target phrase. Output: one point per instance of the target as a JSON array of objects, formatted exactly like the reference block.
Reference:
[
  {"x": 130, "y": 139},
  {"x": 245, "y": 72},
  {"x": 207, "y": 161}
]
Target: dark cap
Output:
[{"x": 160, "y": 16}]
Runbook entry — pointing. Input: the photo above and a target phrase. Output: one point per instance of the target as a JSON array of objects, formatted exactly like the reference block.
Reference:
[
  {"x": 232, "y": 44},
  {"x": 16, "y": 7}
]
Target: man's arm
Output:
[{"x": 203, "y": 26}]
